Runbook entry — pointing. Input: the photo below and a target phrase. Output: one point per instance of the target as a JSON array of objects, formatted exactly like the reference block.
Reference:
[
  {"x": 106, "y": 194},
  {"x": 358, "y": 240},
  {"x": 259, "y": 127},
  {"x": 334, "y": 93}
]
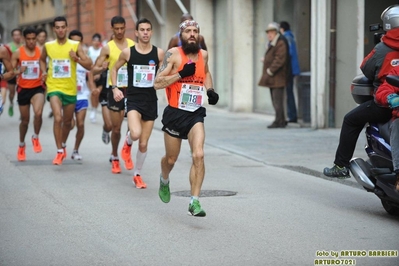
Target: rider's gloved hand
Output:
[{"x": 393, "y": 100}]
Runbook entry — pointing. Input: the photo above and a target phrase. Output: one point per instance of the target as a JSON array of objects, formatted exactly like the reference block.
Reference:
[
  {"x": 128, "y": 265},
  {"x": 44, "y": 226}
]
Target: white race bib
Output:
[
  {"x": 32, "y": 69},
  {"x": 143, "y": 76},
  {"x": 191, "y": 97},
  {"x": 61, "y": 68},
  {"x": 81, "y": 79}
]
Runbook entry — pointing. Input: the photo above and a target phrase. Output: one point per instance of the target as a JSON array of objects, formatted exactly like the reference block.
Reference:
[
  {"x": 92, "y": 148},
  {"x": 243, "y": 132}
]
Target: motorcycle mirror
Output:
[{"x": 393, "y": 80}]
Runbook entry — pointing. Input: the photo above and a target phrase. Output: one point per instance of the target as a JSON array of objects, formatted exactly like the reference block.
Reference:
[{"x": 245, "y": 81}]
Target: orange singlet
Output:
[
  {"x": 173, "y": 92},
  {"x": 30, "y": 78}
]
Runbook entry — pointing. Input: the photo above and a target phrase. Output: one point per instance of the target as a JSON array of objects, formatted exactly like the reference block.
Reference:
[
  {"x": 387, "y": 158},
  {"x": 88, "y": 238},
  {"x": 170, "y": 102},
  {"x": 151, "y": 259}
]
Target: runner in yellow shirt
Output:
[
  {"x": 108, "y": 57},
  {"x": 63, "y": 56}
]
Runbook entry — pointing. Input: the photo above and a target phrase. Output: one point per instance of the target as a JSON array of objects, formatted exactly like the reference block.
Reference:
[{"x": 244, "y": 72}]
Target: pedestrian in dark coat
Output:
[{"x": 276, "y": 67}]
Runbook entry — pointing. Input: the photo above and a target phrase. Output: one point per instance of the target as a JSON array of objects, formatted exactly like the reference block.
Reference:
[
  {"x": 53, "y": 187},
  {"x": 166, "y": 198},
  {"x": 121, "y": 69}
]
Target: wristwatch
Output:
[{"x": 114, "y": 86}]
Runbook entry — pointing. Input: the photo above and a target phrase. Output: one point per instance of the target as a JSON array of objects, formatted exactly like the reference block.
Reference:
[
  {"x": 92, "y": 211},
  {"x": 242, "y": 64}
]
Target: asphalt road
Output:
[{"x": 283, "y": 212}]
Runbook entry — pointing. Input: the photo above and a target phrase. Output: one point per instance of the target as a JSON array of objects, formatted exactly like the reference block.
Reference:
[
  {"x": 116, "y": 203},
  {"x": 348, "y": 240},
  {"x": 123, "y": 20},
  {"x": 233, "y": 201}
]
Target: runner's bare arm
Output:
[
  {"x": 84, "y": 60},
  {"x": 208, "y": 76},
  {"x": 5, "y": 56},
  {"x": 43, "y": 63},
  {"x": 98, "y": 67},
  {"x": 123, "y": 58},
  {"x": 163, "y": 77},
  {"x": 161, "y": 54}
]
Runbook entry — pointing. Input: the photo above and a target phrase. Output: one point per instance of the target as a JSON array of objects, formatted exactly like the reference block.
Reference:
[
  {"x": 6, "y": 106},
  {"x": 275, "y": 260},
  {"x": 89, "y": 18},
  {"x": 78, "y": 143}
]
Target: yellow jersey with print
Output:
[
  {"x": 114, "y": 53},
  {"x": 61, "y": 74}
]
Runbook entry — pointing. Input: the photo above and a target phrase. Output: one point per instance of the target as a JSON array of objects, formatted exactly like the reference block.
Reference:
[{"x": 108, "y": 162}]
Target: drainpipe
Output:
[
  {"x": 120, "y": 8},
  {"x": 333, "y": 61}
]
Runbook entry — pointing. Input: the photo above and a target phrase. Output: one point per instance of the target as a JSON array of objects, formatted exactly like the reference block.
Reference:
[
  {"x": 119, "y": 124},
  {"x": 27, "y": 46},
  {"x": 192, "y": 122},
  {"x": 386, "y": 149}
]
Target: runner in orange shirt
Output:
[
  {"x": 185, "y": 75},
  {"x": 30, "y": 90}
]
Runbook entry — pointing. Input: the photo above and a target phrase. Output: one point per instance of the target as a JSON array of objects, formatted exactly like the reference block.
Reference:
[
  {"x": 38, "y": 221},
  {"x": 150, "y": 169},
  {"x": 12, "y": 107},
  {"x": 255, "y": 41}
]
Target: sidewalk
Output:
[{"x": 299, "y": 149}]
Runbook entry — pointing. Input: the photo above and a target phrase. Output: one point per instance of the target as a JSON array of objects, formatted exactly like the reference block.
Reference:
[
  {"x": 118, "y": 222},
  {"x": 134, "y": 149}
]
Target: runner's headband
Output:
[{"x": 188, "y": 23}]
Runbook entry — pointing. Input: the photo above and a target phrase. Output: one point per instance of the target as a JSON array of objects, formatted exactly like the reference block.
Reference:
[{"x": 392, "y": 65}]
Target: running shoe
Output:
[
  {"x": 116, "y": 169},
  {"x": 126, "y": 149},
  {"x": 164, "y": 192},
  {"x": 21, "y": 156},
  {"x": 138, "y": 181},
  {"x": 195, "y": 209},
  {"x": 76, "y": 156},
  {"x": 126, "y": 155},
  {"x": 37, "y": 147},
  {"x": 59, "y": 158},
  {"x": 105, "y": 137},
  {"x": 11, "y": 110}
]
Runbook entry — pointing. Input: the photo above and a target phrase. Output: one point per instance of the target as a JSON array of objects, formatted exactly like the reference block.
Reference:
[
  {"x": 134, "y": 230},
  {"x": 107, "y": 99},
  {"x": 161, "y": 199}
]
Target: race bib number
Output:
[
  {"x": 143, "y": 76},
  {"x": 61, "y": 68},
  {"x": 191, "y": 97},
  {"x": 32, "y": 69}
]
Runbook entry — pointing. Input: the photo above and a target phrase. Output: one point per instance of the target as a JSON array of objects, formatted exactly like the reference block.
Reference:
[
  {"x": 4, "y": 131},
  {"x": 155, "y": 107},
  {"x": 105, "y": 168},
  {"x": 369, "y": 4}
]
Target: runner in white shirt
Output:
[
  {"x": 96, "y": 87},
  {"x": 82, "y": 99}
]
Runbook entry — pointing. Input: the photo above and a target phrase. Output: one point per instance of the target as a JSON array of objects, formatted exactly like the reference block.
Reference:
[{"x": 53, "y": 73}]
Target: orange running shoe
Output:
[
  {"x": 21, "y": 156},
  {"x": 37, "y": 147},
  {"x": 116, "y": 169},
  {"x": 139, "y": 182},
  {"x": 58, "y": 158},
  {"x": 126, "y": 150}
]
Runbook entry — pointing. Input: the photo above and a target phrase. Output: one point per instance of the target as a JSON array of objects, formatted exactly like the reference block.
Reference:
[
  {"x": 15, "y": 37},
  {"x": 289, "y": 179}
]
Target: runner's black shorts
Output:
[
  {"x": 178, "y": 123},
  {"x": 114, "y": 105},
  {"x": 25, "y": 95},
  {"x": 147, "y": 109}
]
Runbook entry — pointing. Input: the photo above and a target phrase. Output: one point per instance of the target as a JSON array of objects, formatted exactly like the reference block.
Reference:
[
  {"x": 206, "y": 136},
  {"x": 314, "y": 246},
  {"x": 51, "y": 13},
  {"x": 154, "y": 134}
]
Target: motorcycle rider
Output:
[
  {"x": 375, "y": 66},
  {"x": 387, "y": 96}
]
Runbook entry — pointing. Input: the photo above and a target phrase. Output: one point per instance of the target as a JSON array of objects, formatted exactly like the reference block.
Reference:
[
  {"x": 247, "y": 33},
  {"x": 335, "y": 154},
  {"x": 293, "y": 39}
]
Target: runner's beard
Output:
[{"x": 190, "y": 48}]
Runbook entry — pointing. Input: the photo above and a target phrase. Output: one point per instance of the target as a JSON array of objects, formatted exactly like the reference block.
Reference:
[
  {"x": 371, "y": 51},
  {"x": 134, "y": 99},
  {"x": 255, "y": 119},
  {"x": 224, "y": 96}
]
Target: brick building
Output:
[{"x": 94, "y": 16}]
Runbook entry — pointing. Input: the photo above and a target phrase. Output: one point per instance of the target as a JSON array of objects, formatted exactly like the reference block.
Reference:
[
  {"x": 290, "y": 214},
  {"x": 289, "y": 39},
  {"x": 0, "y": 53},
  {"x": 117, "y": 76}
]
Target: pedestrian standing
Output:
[
  {"x": 285, "y": 29},
  {"x": 276, "y": 68}
]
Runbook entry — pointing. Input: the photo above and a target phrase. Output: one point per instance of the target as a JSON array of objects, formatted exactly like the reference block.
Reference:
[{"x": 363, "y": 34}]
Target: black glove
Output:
[
  {"x": 188, "y": 70},
  {"x": 213, "y": 97}
]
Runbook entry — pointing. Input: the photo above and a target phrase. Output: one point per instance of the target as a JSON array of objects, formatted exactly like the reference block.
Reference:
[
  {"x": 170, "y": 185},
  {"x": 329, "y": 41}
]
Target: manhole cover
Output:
[{"x": 206, "y": 193}]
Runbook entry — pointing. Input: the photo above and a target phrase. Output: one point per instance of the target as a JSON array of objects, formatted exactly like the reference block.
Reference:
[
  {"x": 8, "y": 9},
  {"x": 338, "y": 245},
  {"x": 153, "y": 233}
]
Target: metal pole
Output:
[{"x": 333, "y": 61}]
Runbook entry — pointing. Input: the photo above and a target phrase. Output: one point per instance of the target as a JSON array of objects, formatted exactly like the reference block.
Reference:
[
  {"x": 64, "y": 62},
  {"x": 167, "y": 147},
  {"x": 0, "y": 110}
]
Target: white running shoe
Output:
[{"x": 76, "y": 156}]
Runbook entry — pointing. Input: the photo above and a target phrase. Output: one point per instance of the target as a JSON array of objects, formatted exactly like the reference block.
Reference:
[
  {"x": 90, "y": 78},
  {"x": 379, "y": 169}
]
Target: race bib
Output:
[
  {"x": 32, "y": 69},
  {"x": 81, "y": 79},
  {"x": 61, "y": 68},
  {"x": 143, "y": 76},
  {"x": 121, "y": 77},
  {"x": 191, "y": 97}
]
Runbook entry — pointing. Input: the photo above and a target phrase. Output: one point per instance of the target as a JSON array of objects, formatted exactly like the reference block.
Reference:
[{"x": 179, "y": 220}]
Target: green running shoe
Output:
[
  {"x": 11, "y": 110},
  {"x": 195, "y": 209},
  {"x": 164, "y": 192}
]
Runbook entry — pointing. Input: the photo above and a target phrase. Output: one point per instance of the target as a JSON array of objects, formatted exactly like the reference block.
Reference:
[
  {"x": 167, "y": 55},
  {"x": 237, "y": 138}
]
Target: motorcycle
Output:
[{"x": 376, "y": 174}]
